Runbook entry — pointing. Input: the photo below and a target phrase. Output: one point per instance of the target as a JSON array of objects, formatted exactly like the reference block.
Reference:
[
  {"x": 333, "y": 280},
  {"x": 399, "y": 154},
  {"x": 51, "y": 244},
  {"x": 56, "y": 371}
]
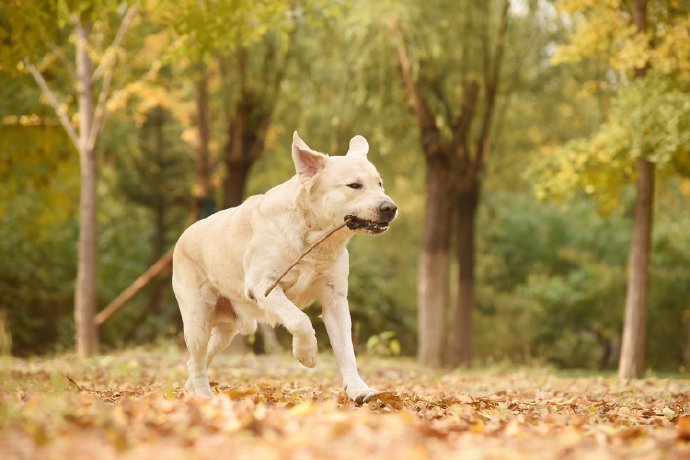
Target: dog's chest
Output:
[{"x": 302, "y": 281}]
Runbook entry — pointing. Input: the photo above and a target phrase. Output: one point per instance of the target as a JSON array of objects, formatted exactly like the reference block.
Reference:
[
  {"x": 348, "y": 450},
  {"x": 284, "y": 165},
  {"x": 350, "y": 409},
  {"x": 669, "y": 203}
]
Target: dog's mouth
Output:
[{"x": 356, "y": 223}]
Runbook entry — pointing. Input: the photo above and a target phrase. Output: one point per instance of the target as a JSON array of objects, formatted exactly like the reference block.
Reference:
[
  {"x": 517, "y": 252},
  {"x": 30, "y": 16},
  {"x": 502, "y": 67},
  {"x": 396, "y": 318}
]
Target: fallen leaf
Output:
[
  {"x": 239, "y": 393},
  {"x": 683, "y": 426},
  {"x": 389, "y": 399}
]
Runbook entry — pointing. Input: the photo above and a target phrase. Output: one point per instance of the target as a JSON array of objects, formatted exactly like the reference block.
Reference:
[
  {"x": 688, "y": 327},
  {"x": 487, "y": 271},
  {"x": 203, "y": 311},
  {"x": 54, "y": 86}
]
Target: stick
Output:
[
  {"x": 133, "y": 288},
  {"x": 275, "y": 283}
]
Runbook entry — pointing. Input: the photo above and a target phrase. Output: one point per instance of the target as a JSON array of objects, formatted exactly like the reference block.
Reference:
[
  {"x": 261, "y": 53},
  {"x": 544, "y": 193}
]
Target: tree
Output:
[
  {"x": 447, "y": 98},
  {"x": 204, "y": 204},
  {"x": 251, "y": 80},
  {"x": 252, "y": 62},
  {"x": 634, "y": 327},
  {"x": 250, "y": 41},
  {"x": 91, "y": 112},
  {"x": 646, "y": 131}
]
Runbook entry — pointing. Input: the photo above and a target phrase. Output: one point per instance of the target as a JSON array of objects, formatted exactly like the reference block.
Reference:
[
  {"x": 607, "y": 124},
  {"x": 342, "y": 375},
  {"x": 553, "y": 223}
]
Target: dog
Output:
[{"x": 224, "y": 264}]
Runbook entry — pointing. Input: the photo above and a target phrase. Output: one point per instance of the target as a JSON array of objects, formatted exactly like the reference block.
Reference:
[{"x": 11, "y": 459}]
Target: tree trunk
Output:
[
  {"x": 85, "y": 293},
  {"x": 686, "y": 350},
  {"x": 460, "y": 347},
  {"x": 158, "y": 252},
  {"x": 159, "y": 242},
  {"x": 203, "y": 203},
  {"x": 248, "y": 119},
  {"x": 433, "y": 267},
  {"x": 237, "y": 173},
  {"x": 631, "y": 364}
]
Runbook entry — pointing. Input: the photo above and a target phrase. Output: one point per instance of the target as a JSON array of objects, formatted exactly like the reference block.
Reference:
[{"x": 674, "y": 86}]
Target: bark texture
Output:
[
  {"x": 433, "y": 268},
  {"x": 460, "y": 346},
  {"x": 631, "y": 364},
  {"x": 85, "y": 292}
]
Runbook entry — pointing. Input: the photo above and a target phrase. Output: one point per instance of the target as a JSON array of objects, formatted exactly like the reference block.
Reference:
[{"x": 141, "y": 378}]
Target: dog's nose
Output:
[{"x": 387, "y": 209}]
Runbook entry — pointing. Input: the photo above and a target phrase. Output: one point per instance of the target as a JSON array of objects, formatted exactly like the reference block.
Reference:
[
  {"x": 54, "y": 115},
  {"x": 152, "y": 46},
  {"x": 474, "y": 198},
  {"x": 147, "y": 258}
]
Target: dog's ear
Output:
[
  {"x": 358, "y": 146},
  {"x": 307, "y": 161}
]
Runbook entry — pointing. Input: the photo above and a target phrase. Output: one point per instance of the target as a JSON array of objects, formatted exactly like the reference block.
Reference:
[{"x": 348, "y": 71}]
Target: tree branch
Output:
[
  {"x": 122, "y": 298},
  {"x": 490, "y": 90},
  {"x": 106, "y": 68},
  {"x": 462, "y": 123},
  {"x": 416, "y": 99},
  {"x": 109, "y": 58},
  {"x": 436, "y": 87},
  {"x": 484, "y": 36},
  {"x": 54, "y": 103},
  {"x": 100, "y": 112},
  {"x": 420, "y": 108},
  {"x": 500, "y": 45},
  {"x": 268, "y": 106}
]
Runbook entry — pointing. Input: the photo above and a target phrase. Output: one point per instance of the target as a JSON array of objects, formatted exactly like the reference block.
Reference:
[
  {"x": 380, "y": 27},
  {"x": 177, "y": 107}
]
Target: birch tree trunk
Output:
[
  {"x": 91, "y": 119},
  {"x": 631, "y": 364},
  {"x": 85, "y": 292}
]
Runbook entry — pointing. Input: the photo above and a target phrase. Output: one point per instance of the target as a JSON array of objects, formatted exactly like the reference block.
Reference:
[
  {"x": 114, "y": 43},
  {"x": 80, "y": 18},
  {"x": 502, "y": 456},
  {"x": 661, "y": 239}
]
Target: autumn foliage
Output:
[{"x": 130, "y": 405}]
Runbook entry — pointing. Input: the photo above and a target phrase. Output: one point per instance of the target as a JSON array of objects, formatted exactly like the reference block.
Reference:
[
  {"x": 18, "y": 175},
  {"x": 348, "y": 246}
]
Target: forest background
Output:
[{"x": 510, "y": 134}]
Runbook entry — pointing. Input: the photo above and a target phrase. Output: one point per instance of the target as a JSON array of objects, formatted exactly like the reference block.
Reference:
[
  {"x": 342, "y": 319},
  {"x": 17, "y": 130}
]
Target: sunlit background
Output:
[{"x": 194, "y": 105}]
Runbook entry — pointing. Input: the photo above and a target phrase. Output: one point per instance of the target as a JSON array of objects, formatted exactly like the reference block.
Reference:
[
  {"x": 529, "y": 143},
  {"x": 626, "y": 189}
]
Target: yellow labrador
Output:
[{"x": 222, "y": 265}]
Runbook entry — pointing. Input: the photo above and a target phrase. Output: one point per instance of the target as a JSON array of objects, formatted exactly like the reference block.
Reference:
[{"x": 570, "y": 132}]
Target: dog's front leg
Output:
[
  {"x": 297, "y": 322},
  {"x": 336, "y": 316}
]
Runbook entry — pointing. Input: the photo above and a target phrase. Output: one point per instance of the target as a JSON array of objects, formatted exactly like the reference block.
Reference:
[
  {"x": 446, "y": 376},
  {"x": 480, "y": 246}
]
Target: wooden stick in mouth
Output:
[{"x": 321, "y": 240}]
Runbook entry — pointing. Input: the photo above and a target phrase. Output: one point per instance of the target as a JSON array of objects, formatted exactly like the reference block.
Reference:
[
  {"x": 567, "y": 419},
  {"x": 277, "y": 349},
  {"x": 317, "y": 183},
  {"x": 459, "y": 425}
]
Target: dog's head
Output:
[{"x": 344, "y": 188}]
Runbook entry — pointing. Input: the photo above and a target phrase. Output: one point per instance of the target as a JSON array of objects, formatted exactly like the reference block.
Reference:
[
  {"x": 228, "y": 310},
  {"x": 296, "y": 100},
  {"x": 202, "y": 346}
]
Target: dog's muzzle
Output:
[
  {"x": 369, "y": 226},
  {"x": 387, "y": 212}
]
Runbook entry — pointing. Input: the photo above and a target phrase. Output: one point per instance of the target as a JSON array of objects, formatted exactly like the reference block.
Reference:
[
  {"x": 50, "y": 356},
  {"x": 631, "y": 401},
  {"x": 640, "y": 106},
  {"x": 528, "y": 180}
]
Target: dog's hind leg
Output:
[
  {"x": 196, "y": 317},
  {"x": 221, "y": 337},
  {"x": 196, "y": 335}
]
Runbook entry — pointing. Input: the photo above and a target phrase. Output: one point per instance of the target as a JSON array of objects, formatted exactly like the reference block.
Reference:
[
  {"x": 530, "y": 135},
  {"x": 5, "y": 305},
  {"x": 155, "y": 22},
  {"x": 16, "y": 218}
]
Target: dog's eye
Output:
[
  {"x": 381, "y": 184},
  {"x": 355, "y": 185}
]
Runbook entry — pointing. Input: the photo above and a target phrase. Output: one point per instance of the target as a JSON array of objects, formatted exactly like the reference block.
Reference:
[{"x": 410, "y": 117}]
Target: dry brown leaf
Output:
[
  {"x": 388, "y": 398},
  {"x": 683, "y": 426},
  {"x": 131, "y": 405},
  {"x": 239, "y": 393}
]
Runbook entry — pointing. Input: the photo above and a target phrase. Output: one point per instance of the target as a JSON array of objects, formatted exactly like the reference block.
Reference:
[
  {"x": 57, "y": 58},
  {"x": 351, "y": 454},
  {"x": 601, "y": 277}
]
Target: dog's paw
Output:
[
  {"x": 304, "y": 349},
  {"x": 199, "y": 388},
  {"x": 359, "y": 392}
]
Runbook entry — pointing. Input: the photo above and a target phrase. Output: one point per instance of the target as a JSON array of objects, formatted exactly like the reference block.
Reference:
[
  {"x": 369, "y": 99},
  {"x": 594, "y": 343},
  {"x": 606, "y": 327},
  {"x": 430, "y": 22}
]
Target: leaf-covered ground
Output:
[{"x": 130, "y": 405}]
